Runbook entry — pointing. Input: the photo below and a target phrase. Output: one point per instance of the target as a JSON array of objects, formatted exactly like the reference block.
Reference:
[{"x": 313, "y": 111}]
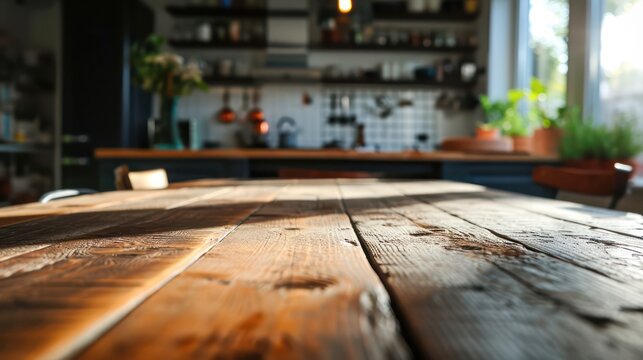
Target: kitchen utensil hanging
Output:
[
  {"x": 226, "y": 115},
  {"x": 256, "y": 114}
]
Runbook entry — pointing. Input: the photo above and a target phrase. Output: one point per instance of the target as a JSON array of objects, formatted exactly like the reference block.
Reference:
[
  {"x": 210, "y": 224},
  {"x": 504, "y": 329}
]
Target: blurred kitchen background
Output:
[{"x": 365, "y": 75}]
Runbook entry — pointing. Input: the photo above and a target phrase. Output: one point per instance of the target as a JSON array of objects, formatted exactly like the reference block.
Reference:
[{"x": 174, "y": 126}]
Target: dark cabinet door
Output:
[{"x": 100, "y": 105}]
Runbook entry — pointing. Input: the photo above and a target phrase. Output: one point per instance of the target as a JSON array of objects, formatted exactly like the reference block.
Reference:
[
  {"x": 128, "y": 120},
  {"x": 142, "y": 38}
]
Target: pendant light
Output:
[{"x": 344, "y": 6}]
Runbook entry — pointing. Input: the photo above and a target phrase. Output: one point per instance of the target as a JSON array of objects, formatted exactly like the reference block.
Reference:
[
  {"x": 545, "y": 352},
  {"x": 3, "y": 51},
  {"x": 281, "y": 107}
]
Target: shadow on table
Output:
[{"x": 122, "y": 224}]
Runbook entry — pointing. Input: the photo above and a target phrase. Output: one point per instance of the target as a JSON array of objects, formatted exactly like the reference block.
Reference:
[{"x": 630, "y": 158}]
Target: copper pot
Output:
[
  {"x": 226, "y": 115},
  {"x": 256, "y": 114}
]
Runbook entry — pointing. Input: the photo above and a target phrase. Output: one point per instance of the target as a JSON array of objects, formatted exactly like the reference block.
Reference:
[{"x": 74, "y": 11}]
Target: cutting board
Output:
[{"x": 468, "y": 144}]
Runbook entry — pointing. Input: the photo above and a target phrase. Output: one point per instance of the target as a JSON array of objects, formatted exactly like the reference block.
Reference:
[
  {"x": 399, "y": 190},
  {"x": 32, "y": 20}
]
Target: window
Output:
[
  {"x": 548, "y": 32},
  {"x": 621, "y": 60}
]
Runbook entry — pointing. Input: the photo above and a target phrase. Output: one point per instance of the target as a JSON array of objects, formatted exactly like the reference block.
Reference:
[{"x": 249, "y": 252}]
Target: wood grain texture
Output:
[
  {"x": 88, "y": 282},
  {"x": 362, "y": 269},
  {"x": 467, "y": 293},
  {"x": 17, "y": 214},
  {"x": 615, "y": 221},
  {"x": 598, "y": 300},
  {"x": 611, "y": 255},
  {"x": 85, "y": 215},
  {"x": 292, "y": 282}
]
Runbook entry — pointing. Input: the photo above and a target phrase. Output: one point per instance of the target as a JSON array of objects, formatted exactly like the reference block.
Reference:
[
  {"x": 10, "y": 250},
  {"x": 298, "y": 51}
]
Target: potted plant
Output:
[
  {"x": 515, "y": 126},
  {"x": 166, "y": 75},
  {"x": 503, "y": 117},
  {"x": 594, "y": 146},
  {"x": 546, "y": 139},
  {"x": 494, "y": 112}
]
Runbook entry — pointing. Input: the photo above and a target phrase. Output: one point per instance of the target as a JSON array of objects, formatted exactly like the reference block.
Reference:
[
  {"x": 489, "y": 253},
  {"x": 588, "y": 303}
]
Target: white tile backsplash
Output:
[{"x": 395, "y": 133}]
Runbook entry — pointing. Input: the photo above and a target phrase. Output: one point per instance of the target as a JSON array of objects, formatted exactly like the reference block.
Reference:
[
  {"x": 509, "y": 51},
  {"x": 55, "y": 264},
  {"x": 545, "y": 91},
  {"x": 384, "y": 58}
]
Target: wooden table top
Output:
[
  {"x": 328, "y": 269},
  {"x": 319, "y": 154}
]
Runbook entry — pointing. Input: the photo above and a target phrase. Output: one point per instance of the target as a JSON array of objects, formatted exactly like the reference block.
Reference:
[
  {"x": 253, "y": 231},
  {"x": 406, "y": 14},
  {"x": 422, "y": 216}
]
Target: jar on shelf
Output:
[
  {"x": 433, "y": 5},
  {"x": 471, "y": 6},
  {"x": 204, "y": 32},
  {"x": 416, "y": 6}
]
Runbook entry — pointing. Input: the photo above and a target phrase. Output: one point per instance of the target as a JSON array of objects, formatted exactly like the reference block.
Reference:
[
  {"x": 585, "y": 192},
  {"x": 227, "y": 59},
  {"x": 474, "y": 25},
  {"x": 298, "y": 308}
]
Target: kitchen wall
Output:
[{"x": 397, "y": 132}]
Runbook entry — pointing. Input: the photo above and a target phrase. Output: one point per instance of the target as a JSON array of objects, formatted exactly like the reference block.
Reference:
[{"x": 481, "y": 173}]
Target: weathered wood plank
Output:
[
  {"x": 97, "y": 278},
  {"x": 291, "y": 282},
  {"x": 38, "y": 234},
  {"x": 613, "y": 255},
  {"x": 457, "y": 291},
  {"x": 616, "y": 221},
  {"x": 21, "y": 213},
  {"x": 599, "y": 300}
]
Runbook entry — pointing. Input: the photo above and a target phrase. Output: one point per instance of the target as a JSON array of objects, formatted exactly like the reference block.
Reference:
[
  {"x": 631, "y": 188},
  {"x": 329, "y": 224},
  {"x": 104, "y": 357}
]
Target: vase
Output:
[{"x": 166, "y": 133}]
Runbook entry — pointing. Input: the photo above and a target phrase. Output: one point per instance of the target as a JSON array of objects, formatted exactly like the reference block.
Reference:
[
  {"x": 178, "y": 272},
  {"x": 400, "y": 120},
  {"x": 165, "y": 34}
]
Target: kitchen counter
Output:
[
  {"x": 510, "y": 172},
  {"x": 326, "y": 154}
]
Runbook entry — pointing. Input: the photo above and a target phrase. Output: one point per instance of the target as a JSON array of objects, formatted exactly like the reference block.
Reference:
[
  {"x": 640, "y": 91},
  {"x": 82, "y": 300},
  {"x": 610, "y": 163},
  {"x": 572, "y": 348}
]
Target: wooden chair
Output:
[
  {"x": 140, "y": 180},
  {"x": 121, "y": 178},
  {"x": 597, "y": 182}
]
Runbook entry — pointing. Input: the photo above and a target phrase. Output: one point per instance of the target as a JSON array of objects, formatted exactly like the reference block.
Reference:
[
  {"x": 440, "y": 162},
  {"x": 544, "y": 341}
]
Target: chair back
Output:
[
  {"x": 148, "y": 180},
  {"x": 121, "y": 178},
  {"x": 596, "y": 182}
]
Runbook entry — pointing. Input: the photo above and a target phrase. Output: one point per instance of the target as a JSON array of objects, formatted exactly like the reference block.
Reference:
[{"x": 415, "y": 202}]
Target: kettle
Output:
[{"x": 287, "y": 132}]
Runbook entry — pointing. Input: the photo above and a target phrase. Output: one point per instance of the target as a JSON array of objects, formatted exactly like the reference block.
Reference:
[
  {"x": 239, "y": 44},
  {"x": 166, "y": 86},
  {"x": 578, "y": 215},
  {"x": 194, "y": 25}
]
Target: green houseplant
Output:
[
  {"x": 494, "y": 112},
  {"x": 504, "y": 115},
  {"x": 597, "y": 146},
  {"x": 546, "y": 138},
  {"x": 166, "y": 75}
]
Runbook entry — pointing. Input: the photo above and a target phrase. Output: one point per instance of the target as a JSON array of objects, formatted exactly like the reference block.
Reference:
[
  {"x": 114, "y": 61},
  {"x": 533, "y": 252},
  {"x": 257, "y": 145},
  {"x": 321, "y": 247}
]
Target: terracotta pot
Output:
[
  {"x": 487, "y": 134},
  {"x": 547, "y": 141},
  {"x": 522, "y": 144},
  {"x": 600, "y": 164}
]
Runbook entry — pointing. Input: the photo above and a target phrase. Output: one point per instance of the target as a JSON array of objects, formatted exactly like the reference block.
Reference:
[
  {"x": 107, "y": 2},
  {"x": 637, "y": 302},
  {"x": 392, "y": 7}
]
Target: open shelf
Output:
[
  {"x": 396, "y": 48},
  {"x": 250, "y": 81},
  {"x": 261, "y": 45},
  {"x": 230, "y": 81},
  {"x": 426, "y": 16},
  {"x": 195, "y": 44},
  {"x": 15, "y": 148},
  {"x": 408, "y": 82},
  {"x": 200, "y": 11}
]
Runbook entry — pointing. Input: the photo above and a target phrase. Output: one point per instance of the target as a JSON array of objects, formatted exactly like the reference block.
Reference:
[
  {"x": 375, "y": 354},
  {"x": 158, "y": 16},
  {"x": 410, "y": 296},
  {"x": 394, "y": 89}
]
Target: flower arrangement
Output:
[
  {"x": 164, "y": 73},
  {"x": 167, "y": 75}
]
